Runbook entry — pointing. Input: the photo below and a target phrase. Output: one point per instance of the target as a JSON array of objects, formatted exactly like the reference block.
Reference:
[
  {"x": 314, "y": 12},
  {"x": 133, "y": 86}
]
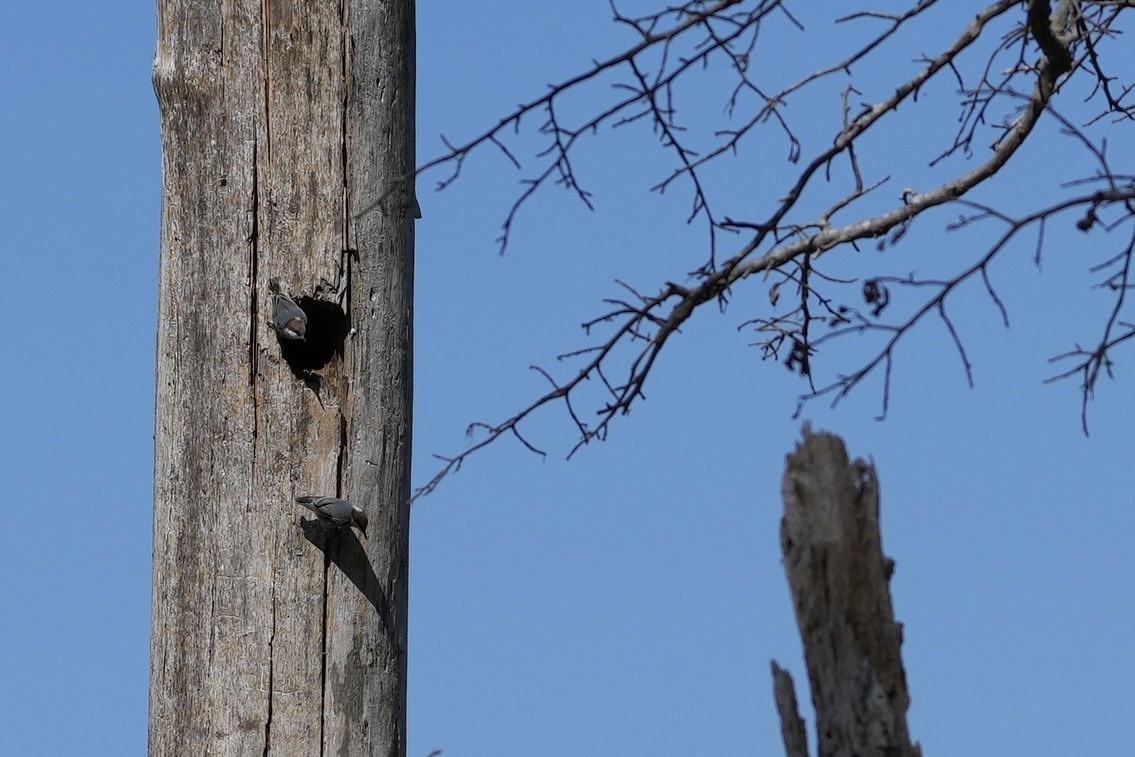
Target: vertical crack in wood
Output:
[
  {"x": 266, "y": 76},
  {"x": 271, "y": 673},
  {"x": 323, "y": 660},
  {"x": 253, "y": 281},
  {"x": 344, "y": 130},
  {"x": 343, "y": 279},
  {"x": 342, "y": 462}
]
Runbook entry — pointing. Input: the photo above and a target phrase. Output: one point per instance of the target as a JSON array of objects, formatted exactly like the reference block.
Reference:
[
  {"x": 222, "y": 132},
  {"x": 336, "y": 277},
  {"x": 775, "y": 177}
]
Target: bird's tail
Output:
[{"x": 308, "y": 502}]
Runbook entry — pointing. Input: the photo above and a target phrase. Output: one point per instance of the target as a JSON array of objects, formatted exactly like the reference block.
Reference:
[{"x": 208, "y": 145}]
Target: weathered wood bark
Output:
[
  {"x": 280, "y": 122},
  {"x": 791, "y": 724},
  {"x": 839, "y": 578}
]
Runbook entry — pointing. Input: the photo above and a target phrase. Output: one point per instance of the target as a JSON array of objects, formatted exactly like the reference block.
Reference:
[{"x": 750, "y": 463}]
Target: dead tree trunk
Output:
[
  {"x": 280, "y": 123},
  {"x": 839, "y": 579}
]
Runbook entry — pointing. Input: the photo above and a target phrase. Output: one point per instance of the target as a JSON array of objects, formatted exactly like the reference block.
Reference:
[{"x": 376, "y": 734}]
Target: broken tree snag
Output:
[
  {"x": 791, "y": 724},
  {"x": 839, "y": 581}
]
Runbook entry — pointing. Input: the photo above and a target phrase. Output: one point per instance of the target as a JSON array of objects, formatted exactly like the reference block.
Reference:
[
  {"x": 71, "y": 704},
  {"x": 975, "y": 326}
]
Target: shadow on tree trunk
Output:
[{"x": 344, "y": 550}]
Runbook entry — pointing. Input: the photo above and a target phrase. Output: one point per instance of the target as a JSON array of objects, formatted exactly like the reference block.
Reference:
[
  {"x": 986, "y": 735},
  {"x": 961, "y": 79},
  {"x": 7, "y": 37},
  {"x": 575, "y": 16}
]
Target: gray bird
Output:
[
  {"x": 288, "y": 318},
  {"x": 334, "y": 513}
]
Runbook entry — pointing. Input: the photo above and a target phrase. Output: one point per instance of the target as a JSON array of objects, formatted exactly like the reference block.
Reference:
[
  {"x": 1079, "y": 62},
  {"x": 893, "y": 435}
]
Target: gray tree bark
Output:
[
  {"x": 839, "y": 579},
  {"x": 280, "y": 123}
]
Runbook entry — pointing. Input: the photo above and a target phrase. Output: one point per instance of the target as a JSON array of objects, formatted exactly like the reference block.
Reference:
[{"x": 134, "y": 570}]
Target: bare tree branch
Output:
[{"x": 1007, "y": 59}]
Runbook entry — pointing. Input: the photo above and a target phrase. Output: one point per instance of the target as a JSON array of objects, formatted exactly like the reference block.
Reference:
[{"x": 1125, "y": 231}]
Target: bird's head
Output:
[{"x": 359, "y": 520}]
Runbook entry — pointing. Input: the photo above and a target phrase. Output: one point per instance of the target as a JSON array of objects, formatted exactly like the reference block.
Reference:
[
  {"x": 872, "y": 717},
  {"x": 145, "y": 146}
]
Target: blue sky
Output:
[{"x": 628, "y": 601}]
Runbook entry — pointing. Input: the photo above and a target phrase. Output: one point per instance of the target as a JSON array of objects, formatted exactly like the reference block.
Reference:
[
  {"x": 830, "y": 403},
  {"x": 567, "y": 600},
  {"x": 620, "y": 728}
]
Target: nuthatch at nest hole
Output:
[
  {"x": 334, "y": 513},
  {"x": 288, "y": 318}
]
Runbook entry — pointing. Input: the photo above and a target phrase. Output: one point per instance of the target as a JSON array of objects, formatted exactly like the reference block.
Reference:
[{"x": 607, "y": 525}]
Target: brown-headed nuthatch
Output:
[
  {"x": 288, "y": 318},
  {"x": 334, "y": 513}
]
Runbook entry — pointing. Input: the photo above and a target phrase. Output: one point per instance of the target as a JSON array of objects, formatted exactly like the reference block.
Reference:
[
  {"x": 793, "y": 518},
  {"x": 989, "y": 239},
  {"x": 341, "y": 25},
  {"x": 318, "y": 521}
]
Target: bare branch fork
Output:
[{"x": 1065, "y": 42}]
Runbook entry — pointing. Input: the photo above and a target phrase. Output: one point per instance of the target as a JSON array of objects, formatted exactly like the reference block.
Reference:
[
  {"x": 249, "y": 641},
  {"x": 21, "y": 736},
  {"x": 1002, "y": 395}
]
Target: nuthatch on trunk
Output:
[
  {"x": 334, "y": 513},
  {"x": 288, "y": 318}
]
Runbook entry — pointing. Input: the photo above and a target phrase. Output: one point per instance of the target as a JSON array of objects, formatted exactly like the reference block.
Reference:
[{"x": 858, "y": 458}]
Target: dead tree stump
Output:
[{"x": 839, "y": 580}]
